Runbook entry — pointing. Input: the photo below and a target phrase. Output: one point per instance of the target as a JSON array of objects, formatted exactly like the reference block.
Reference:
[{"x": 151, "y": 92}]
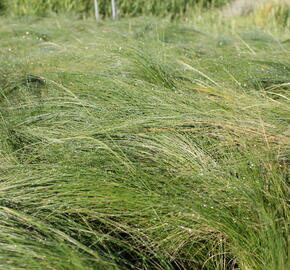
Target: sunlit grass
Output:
[{"x": 143, "y": 145}]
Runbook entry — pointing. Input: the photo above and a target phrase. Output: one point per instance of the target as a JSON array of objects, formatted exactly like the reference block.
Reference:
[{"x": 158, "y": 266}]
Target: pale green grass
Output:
[{"x": 136, "y": 145}]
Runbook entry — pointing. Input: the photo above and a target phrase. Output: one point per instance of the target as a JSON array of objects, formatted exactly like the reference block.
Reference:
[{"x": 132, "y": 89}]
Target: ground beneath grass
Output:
[{"x": 143, "y": 144}]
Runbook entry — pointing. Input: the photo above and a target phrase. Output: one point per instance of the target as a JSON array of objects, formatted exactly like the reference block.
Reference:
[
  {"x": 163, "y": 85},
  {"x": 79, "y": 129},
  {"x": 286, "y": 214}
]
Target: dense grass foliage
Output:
[
  {"x": 85, "y": 7},
  {"x": 136, "y": 145}
]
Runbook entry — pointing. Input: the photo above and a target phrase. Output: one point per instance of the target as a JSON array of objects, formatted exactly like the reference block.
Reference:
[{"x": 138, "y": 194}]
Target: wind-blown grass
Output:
[{"x": 136, "y": 145}]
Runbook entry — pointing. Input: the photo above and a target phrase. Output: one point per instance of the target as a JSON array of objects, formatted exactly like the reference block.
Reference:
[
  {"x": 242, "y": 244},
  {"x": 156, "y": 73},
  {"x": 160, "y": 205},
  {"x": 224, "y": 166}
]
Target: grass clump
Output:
[{"x": 128, "y": 145}]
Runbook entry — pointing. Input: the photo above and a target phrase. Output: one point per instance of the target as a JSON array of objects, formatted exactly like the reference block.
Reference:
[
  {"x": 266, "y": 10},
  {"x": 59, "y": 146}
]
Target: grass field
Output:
[
  {"x": 144, "y": 144},
  {"x": 85, "y": 8}
]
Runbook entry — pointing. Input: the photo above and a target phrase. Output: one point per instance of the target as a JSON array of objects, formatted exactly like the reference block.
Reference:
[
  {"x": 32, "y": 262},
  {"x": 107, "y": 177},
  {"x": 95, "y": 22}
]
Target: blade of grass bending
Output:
[
  {"x": 41, "y": 225},
  {"x": 189, "y": 67}
]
